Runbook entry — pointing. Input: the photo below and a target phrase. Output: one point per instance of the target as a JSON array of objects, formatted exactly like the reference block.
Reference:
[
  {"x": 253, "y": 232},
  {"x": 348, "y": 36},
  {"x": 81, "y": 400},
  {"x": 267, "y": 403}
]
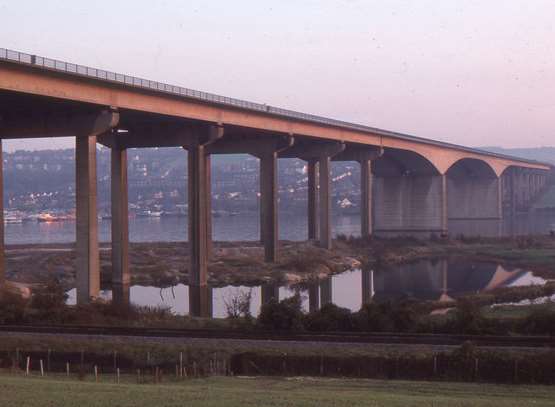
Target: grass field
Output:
[{"x": 230, "y": 392}]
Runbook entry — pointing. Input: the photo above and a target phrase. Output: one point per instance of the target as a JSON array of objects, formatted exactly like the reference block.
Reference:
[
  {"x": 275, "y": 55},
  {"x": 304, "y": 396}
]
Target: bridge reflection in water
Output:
[{"x": 441, "y": 280}]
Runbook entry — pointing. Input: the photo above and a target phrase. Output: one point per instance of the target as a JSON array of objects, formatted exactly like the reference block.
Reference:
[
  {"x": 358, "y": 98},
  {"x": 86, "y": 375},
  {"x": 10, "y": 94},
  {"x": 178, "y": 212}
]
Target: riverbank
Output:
[{"x": 233, "y": 263}]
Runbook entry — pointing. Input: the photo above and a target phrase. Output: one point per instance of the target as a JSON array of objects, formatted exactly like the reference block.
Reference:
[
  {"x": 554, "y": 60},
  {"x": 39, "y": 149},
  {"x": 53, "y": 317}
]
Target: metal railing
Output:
[{"x": 127, "y": 80}]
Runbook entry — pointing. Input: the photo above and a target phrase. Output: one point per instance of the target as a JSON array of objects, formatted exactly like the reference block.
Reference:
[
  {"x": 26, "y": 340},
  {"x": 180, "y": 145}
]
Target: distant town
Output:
[{"x": 40, "y": 185}]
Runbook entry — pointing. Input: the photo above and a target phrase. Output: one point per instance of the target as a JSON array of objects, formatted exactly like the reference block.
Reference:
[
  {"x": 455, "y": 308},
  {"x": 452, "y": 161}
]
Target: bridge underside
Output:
[{"x": 402, "y": 192}]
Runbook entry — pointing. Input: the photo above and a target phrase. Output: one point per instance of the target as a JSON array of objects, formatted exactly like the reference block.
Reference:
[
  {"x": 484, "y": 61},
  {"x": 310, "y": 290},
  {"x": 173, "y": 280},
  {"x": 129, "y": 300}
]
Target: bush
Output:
[
  {"x": 330, "y": 318},
  {"x": 387, "y": 317},
  {"x": 468, "y": 319},
  {"x": 541, "y": 321},
  {"x": 12, "y": 307},
  {"x": 238, "y": 305},
  {"x": 285, "y": 315},
  {"x": 48, "y": 303}
]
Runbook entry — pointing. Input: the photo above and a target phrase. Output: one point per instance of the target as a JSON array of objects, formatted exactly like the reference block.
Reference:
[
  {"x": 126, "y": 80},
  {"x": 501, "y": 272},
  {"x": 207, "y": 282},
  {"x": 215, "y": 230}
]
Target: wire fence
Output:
[{"x": 151, "y": 368}]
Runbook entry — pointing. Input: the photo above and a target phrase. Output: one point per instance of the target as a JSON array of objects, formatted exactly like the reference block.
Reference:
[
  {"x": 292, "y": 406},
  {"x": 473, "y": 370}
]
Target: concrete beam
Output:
[
  {"x": 256, "y": 145},
  {"x": 26, "y": 79},
  {"x": 313, "y": 150},
  {"x": 358, "y": 153},
  {"x": 60, "y": 125},
  {"x": 163, "y": 134}
]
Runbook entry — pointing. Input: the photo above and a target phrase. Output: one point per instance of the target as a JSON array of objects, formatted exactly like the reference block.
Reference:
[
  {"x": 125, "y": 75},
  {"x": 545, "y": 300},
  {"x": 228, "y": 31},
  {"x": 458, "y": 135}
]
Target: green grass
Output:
[{"x": 229, "y": 392}]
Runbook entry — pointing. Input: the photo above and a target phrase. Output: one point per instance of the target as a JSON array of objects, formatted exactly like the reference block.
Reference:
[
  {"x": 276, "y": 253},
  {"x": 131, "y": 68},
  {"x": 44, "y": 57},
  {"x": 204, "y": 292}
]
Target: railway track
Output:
[{"x": 337, "y": 337}]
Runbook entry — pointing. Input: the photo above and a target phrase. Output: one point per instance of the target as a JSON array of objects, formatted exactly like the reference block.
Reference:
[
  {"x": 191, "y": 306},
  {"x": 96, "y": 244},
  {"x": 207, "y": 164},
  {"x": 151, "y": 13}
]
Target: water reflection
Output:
[{"x": 441, "y": 280}]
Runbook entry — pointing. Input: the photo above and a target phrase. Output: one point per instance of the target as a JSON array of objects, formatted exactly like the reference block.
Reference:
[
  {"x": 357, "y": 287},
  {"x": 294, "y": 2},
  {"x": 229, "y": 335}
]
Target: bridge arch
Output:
[
  {"x": 397, "y": 162},
  {"x": 471, "y": 167},
  {"x": 473, "y": 194}
]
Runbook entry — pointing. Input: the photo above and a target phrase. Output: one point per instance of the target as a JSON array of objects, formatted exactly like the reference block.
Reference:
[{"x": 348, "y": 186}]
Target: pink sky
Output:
[{"x": 470, "y": 72}]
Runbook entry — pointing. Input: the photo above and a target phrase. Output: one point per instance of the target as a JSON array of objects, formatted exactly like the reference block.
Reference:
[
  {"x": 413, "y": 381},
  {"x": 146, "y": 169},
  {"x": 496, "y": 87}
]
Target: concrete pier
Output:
[
  {"x": 268, "y": 205},
  {"x": 313, "y": 297},
  {"x": 326, "y": 291},
  {"x": 365, "y": 197},
  {"x": 120, "y": 217},
  {"x": 410, "y": 205},
  {"x": 367, "y": 285},
  {"x": 197, "y": 216},
  {"x": 208, "y": 189},
  {"x": 324, "y": 202},
  {"x": 269, "y": 292},
  {"x": 2, "y": 253},
  {"x": 312, "y": 173},
  {"x": 88, "y": 271},
  {"x": 200, "y": 301}
]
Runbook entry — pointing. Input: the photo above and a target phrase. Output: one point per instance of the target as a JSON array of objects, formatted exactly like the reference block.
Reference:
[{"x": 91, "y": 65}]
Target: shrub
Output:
[
  {"x": 48, "y": 303},
  {"x": 330, "y": 318},
  {"x": 12, "y": 307},
  {"x": 285, "y": 315},
  {"x": 239, "y": 305},
  {"x": 541, "y": 321},
  {"x": 389, "y": 316}
]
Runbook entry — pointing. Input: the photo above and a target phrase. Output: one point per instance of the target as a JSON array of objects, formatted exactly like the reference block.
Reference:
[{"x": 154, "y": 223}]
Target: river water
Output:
[{"x": 245, "y": 226}]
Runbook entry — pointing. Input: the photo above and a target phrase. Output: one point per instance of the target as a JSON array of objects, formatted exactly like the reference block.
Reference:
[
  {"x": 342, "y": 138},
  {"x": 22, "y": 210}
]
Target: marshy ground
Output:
[{"x": 166, "y": 263}]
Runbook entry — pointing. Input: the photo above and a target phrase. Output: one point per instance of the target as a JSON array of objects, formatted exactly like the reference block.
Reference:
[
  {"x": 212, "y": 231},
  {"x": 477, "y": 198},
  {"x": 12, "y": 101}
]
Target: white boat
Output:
[{"x": 13, "y": 219}]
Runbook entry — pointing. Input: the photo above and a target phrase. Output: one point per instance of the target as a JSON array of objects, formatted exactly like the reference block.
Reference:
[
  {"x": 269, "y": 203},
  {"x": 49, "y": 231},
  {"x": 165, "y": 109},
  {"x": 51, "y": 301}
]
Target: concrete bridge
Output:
[{"x": 409, "y": 185}]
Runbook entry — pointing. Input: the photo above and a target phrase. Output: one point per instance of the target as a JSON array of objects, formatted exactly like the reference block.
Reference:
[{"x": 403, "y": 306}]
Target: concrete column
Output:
[
  {"x": 269, "y": 292},
  {"x": 326, "y": 296},
  {"x": 2, "y": 248},
  {"x": 312, "y": 166},
  {"x": 499, "y": 198},
  {"x": 313, "y": 297},
  {"x": 268, "y": 205},
  {"x": 121, "y": 295},
  {"x": 120, "y": 218},
  {"x": 200, "y": 301},
  {"x": 209, "y": 244},
  {"x": 513, "y": 187},
  {"x": 365, "y": 198},
  {"x": 444, "y": 208},
  {"x": 367, "y": 285},
  {"x": 88, "y": 269},
  {"x": 325, "y": 202},
  {"x": 198, "y": 271}
]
